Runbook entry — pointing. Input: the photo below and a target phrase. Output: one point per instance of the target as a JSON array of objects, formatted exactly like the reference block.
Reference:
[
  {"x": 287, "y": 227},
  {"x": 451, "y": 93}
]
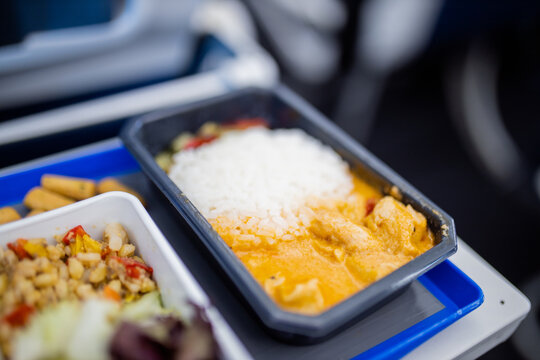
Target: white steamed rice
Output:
[{"x": 265, "y": 176}]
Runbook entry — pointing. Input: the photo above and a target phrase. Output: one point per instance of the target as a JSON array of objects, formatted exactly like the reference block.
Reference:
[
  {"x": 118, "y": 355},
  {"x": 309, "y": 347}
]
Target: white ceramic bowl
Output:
[{"x": 177, "y": 286}]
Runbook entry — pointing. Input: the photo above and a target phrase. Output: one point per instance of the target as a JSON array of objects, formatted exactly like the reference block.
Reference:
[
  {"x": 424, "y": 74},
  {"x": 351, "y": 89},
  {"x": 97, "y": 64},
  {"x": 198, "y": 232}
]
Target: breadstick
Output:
[
  {"x": 72, "y": 187},
  {"x": 8, "y": 214},
  {"x": 110, "y": 184},
  {"x": 39, "y": 198}
]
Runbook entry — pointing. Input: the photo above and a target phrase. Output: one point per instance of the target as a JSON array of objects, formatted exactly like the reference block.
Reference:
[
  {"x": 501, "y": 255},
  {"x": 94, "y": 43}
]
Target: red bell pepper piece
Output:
[
  {"x": 133, "y": 272},
  {"x": 198, "y": 141},
  {"x": 370, "y": 205},
  {"x": 242, "y": 124},
  {"x": 17, "y": 248},
  {"x": 20, "y": 315},
  {"x": 133, "y": 266},
  {"x": 71, "y": 234}
]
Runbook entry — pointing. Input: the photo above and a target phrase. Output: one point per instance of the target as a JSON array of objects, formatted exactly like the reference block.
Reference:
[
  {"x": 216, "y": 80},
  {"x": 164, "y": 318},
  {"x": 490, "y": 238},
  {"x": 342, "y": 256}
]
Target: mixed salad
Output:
[{"x": 84, "y": 298}]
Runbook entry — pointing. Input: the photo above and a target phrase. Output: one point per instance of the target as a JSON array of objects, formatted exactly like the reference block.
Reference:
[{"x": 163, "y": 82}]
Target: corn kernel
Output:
[
  {"x": 44, "y": 280},
  {"x": 132, "y": 286},
  {"x": 22, "y": 287},
  {"x": 85, "y": 291},
  {"x": 147, "y": 285},
  {"x": 116, "y": 285},
  {"x": 75, "y": 268},
  {"x": 63, "y": 272},
  {"x": 26, "y": 268},
  {"x": 61, "y": 288},
  {"x": 53, "y": 253},
  {"x": 43, "y": 264},
  {"x": 10, "y": 258},
  {"x": 32, "y": 297},
  {"x": 126, "y": 250},
  {"x": 89, "y": 259},
  {"x": 98, "y": 274}
]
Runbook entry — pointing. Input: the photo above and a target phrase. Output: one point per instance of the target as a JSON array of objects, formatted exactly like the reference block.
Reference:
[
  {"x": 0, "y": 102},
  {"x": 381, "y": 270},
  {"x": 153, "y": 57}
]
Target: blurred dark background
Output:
[{"x": 445, "y": 92}]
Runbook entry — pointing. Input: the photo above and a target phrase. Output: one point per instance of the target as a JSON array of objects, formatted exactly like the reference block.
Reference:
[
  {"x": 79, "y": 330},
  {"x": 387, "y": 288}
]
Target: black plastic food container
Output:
[{"x": 148, "y": 135}]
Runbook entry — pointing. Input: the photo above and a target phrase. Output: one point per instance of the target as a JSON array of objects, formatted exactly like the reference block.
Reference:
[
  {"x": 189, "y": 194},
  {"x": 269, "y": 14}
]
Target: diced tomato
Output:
[
  {"x": 133, "y": 271},
  {"x": 18, "y": 248},
  {"x": 20, "y": 315},
  {"x": 370, "y": 205},
  {"x": 133, "y": 266},
  {"x": 104, "y": 252},
  {"x": 198, "y": 141},
  {"x": 111, "y": 294},
  {"x": 242, "y": 124},
  {"x": 70, "y": 235}
]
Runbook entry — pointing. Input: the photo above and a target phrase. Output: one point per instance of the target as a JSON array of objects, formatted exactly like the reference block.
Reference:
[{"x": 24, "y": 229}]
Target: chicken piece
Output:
[
  {"x": 372, "y": 266},
  {"x": 335, "y": 228},
  {"x": 305, "y": 297},
  {"x": 401, "y": 228}
]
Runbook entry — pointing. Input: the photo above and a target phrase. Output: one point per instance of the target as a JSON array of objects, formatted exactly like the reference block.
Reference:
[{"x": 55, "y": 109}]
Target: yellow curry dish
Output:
[{"x": 309, "y": 230}]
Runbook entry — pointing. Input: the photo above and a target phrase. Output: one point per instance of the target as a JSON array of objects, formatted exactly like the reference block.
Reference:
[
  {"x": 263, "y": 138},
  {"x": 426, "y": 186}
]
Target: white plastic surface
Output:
[
  {"x": 177, "y": 285},
  {"x": 492, "y": 323},
  {"x": 251, "y": 66}
]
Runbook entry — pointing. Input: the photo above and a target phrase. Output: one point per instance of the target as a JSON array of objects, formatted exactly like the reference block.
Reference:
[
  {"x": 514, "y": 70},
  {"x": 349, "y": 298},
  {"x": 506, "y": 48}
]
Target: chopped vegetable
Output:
[
  {"x": 66, "y": 300},
  {"x": 95, "y": 327},
  {"x": 91, "y": 245},
  {"x": 37, "y": 275},
  {"x": 46, "y": 335},
  {"x": 210, "y": 128},
  {"x": 162, "y": 338},
  {"x": 132, "y": 266},
  {"x": 83, "y": 242},
  {"x": 198, "y": 141},
  {"x": 242, "y": 124},
  {"x": 111, "y": 294},
  {"x": 132, "y": 342},
  {"x": 70, "y": 235},
  {"x": 105, "y": 252},
  {"x": 34, "y": 248},
  {"x": 181, "y": 140},
  {"x": 149, "y": 304},
  {"x": 18, "y": 248},
  {"x": 164, "y": 160},
  {"x": 20, "y": 315}
]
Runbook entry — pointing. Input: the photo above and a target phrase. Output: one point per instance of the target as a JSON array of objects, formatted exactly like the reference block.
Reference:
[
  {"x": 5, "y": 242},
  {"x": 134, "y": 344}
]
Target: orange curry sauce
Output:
[{"x": 347, "y": 246}]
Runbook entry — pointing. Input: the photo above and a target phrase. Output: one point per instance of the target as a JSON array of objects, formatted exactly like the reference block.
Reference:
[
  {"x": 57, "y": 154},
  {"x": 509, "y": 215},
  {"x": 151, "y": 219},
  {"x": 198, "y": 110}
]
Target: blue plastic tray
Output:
[{"x": 452, "y": 293}]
